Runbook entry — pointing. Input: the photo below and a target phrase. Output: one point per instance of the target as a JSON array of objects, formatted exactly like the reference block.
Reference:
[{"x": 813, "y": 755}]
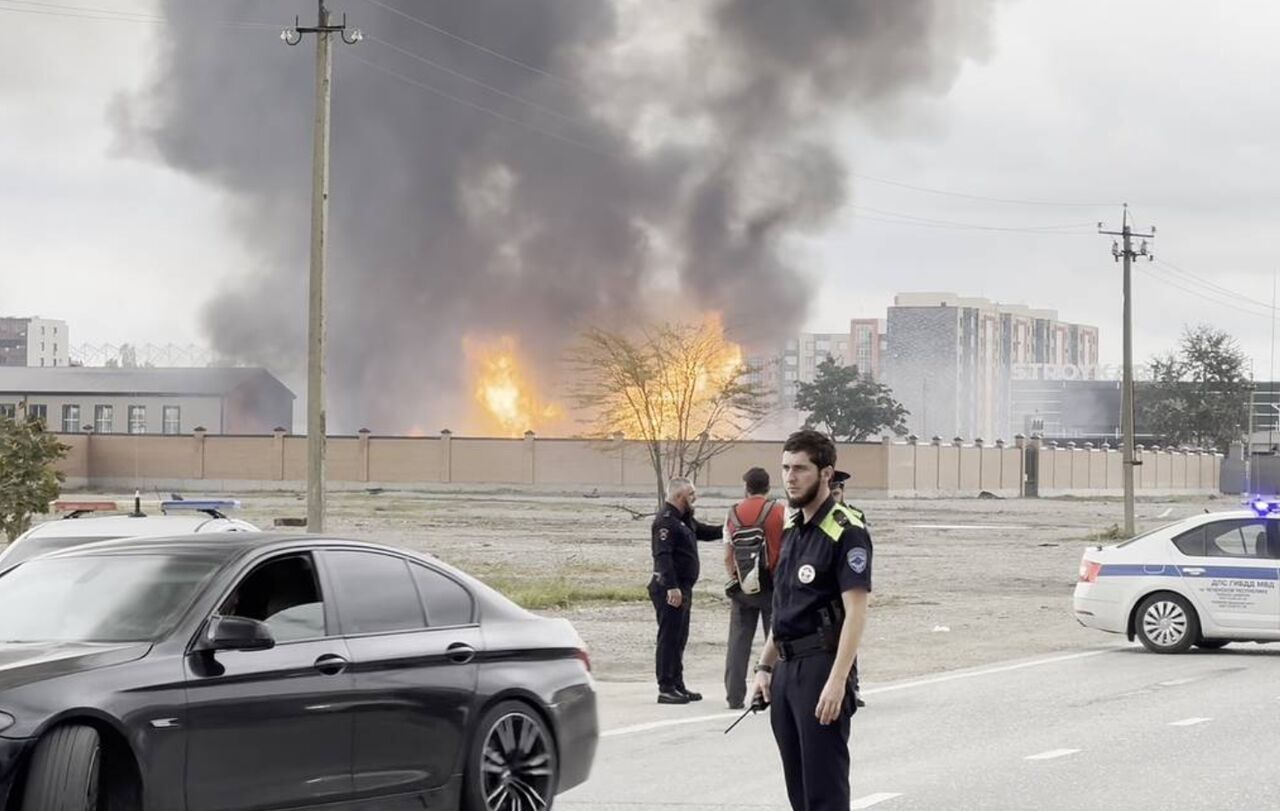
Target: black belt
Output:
[{"x": 804, "y": 646}]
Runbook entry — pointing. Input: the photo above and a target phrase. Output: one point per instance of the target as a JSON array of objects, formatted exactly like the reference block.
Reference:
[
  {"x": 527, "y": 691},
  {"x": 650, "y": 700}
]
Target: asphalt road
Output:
[{"x": 1114, "y": 727}]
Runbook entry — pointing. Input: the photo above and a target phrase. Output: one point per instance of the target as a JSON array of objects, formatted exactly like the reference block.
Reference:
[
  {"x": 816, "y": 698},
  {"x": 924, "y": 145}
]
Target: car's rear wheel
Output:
[
  {"x": 512, "y": 764},
  {"x": 64, "y": 772},
  {"x": 1213, "y": 644},
  {"x": 1166, "y": 623}
]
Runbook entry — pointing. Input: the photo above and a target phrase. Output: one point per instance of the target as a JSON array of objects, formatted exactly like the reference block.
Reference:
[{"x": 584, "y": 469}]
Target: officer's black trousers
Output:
[
  {"x": 673, "y": 635},
  {"x": 815, "y": 758}
]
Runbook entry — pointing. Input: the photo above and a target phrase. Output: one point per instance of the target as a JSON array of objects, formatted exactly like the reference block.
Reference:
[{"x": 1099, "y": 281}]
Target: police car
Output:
[
  {"x": 90, "y": 521},
  {"x": 1205, "y": 581}
]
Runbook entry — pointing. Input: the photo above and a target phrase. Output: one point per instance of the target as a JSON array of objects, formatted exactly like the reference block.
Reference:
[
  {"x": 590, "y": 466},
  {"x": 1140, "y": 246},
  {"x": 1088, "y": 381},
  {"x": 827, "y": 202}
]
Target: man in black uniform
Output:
[
  {"x": 819, "y": 609},
  {"x": 675, "y": 571}
]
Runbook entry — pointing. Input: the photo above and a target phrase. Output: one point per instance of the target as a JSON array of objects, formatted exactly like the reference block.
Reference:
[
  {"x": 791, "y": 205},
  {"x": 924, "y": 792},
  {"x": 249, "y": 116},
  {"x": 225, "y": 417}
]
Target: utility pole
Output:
[
  {"x": 316, "y": 427},
  {"x": 1128, "y": 254}
]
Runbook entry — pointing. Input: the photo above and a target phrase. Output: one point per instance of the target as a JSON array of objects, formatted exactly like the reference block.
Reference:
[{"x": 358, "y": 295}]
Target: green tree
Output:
[
  {"x": 29, "y": 480},
  {"x": 848, "y": 405},
  {"x": 1199, "y": 393}
]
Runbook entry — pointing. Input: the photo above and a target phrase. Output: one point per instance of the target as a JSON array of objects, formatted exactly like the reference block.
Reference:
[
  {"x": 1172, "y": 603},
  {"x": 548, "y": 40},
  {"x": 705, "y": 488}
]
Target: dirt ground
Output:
[{"x": 957, "y": 582}]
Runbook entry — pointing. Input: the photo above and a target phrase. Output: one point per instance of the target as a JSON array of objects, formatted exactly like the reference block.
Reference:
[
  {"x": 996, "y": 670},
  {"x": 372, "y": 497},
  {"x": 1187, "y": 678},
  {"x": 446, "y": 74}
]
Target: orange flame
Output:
[{"x": 508, "y": 399}]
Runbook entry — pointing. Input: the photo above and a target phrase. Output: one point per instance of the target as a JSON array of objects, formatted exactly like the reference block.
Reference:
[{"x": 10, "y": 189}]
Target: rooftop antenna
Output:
[{"x": 137, "y": 505}]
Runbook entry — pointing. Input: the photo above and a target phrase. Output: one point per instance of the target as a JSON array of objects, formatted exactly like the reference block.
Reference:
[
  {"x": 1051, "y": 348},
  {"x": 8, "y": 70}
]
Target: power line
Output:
[
  {"x": 1201, "y": 280},
  {"x": 1203, "y": 295},
  {"x": 510, "y": 59},
  {"x": 937, "y": 223},
  {"x": 475, "y": 81},
  {"x": 967, "y": 196},
  {"x": 479, "y": 107},
  {"x": 109, "y": 15}
]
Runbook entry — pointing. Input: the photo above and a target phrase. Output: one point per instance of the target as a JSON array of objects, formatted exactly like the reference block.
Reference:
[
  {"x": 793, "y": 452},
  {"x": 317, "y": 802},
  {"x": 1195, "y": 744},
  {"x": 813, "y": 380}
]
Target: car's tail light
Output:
[
  {"x": 584, "y": 657},
  {"x": 1089, "y": 571}
]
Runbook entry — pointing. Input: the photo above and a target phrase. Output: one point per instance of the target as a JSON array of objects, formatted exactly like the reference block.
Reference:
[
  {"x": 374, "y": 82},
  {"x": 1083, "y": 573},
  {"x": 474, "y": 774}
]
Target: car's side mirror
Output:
[{"x": 236, "y": 633}]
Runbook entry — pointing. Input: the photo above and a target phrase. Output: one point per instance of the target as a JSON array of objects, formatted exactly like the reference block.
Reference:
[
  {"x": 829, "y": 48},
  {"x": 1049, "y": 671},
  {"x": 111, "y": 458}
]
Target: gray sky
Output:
[{"x": 1166, "y": 105}]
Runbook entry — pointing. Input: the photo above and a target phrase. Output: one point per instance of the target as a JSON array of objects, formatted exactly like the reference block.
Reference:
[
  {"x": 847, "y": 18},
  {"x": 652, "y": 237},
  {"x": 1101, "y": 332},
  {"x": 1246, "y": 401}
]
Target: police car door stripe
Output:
[
  {"x": 1235, "y": 572},
  {"x": 1199, "y": 572},
  {"x": 1137, "y": 570}
]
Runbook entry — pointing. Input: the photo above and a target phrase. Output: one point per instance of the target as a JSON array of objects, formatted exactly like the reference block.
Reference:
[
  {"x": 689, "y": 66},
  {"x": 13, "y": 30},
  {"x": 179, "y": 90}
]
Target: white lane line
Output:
[
  {"x": 964, "y": 526},
  {"x": 1189, "y": 722},
  {"x": 1051, "y": 754},
  {"x": 970, "y": 674},
  {"x": 873, "y": 799},
  {"x": 1165, "y": 514},
  {"x": 1178, "y": 682},
  {"x": 906, "y": 685}
]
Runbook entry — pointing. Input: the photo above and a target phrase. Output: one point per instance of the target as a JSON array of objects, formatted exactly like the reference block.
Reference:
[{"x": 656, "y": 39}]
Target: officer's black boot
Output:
[
  {"x": 672, "y": 696},
  {"x": 689, "y": 694}
]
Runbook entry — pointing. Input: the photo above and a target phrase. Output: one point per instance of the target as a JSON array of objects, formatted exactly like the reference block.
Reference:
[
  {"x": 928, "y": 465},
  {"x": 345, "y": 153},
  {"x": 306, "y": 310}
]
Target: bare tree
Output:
[{"x": 682, "y": 389}]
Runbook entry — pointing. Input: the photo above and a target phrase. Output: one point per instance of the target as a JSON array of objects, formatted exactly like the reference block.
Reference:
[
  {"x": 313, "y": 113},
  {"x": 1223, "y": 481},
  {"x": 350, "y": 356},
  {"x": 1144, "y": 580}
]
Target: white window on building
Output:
[
  {"x": 70, "y": 419},
  {"x": 172, "y": 420},
  {"x": 9, "y": 410},
  {"x": 792, "y": 360},
  {"x": 790, "y": 375},
  {"x": 103, "y": 421},
  {"x": 137, "y": 419},
  {"x": 38, "y": 412}
]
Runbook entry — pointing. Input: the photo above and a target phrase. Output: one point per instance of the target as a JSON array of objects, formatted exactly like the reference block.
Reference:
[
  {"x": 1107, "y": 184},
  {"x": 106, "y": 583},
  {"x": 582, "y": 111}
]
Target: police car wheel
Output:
[
  {"x": 1166, "y": 623},
  {"x": 513, "y": 764},
  {"x": 1213, "y": 644}
]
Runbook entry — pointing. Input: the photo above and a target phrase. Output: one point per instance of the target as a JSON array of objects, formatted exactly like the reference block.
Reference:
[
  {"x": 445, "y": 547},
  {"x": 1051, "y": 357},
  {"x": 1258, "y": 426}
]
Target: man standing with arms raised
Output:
[{"x": 819, "y": 610}]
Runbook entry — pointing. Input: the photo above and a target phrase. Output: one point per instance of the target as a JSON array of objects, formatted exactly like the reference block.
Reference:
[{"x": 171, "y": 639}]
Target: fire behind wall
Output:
[{"x": 589, "y": 162}]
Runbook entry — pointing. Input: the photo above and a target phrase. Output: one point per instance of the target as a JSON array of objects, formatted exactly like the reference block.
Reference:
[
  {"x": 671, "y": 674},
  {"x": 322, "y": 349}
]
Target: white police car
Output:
[
  {"x": 91, "y": 521},
  {"x": 1206, "y": 581}
]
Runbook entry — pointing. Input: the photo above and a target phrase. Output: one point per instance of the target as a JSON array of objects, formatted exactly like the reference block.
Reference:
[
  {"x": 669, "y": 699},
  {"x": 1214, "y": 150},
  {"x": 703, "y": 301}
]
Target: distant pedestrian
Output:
[{"x": 752, "y": 546}]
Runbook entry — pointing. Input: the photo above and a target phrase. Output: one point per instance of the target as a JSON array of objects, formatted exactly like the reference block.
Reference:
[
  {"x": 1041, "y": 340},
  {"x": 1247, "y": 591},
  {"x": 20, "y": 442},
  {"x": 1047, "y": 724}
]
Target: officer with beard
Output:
[{"x": 819, "y": 610}]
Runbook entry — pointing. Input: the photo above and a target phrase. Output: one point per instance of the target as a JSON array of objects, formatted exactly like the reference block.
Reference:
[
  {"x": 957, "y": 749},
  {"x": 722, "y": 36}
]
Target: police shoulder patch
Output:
[
  {"x": 858, "y": 559},
  {"x": 841, "y": 518}
]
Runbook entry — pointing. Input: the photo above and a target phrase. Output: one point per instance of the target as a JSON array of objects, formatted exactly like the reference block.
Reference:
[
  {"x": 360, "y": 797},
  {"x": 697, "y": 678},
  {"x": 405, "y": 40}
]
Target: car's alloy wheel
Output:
[
  {"x": 1166, "y": 623},
  {"x": 517, "y": 764}
]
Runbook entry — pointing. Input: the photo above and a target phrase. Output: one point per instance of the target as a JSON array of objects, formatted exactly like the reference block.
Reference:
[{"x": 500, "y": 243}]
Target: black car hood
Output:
[{"x": 25, "y": 662}]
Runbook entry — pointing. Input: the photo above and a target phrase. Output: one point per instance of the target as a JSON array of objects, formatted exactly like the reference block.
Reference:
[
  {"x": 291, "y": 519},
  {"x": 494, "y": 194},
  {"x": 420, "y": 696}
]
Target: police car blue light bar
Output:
[
  {"x": 1264, "y": 505},
  {"x": 201, "y": 504}
]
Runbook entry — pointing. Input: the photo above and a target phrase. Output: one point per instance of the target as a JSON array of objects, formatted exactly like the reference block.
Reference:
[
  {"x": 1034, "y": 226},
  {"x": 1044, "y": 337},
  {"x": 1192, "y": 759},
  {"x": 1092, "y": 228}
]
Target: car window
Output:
[
  {"x": 1191, "y": 542},
  {"x": 1236, "y": 539},
  {"x": 99, "y": 598},
  {"x": 447, "y": 603},
  {"x": 284, "y": 594},
  {"x": 375, "y": 593},
  {"x": 36, "y": 546}
]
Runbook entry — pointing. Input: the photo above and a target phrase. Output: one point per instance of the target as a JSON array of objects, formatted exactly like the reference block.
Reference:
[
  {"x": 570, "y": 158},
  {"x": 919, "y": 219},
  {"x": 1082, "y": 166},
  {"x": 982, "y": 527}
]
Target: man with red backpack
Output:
[{"x": 753, "y": 544}]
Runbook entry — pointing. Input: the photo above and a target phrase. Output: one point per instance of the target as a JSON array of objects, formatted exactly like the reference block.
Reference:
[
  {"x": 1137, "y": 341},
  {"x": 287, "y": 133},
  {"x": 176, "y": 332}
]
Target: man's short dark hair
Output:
[
  {"x": 757, "y": 480},
  {"x": 819, "y": 447}
]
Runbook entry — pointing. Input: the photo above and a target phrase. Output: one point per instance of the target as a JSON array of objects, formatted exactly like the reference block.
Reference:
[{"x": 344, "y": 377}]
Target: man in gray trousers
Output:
[{"x": 752, "y": 546}]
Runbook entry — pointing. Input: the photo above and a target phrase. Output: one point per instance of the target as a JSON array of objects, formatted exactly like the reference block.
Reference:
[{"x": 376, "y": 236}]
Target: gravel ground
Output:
[{"x": 957, "y": 582}]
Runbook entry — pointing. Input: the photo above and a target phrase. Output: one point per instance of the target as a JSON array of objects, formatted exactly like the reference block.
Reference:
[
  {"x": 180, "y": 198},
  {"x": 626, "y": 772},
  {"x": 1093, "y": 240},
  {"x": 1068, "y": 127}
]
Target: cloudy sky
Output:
[{"x": 1070, "y": 109}]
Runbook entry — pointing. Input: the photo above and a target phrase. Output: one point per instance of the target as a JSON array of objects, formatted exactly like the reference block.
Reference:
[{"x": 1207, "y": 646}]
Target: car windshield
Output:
[
  {"x": 98, "y": 598},
  {"x": 34, "y": 547}
]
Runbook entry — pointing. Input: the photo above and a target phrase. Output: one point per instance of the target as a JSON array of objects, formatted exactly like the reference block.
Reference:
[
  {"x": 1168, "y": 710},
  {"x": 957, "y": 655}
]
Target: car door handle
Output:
[
  {"x": 331, "y": 664},
  {"x": 460, "y": 653},
  {"x": 1192, "y": 570}
]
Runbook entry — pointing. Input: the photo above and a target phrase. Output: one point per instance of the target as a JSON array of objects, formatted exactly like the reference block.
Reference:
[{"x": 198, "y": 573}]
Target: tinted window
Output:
[
  {"x": 1191, "y": 543},
  {"x": 284, "y": 594},
  {"x": 375, "y": 593},
  {"x": 1236, "y": 539},
  {"x": 447, "y": 602},
  {"x": 107, "y": 598}
]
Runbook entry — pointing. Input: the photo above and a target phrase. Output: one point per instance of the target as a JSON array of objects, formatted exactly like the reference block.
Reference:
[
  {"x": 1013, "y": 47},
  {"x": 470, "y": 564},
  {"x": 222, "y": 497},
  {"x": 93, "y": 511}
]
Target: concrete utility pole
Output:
[
  {"x": 1128, "y": 254},
  {"x": 316, "y": 427}
]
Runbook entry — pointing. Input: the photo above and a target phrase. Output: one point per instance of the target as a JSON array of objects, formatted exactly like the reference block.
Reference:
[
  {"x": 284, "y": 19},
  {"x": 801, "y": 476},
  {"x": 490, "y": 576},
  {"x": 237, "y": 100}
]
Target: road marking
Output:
[
  {"x": 1051, "y": 754},
  {"x": 873, "y": 799},
  {"x": 1165, "y": 514},
  {"x": 1189, "y": 722},
  {"x": 906, "y": 685},
  {"x": 963, "y": 526},
  {"x": 675, "y": 722},
  {"x": 1179, "y": 682},
  {"x": 970, "y": 674}
]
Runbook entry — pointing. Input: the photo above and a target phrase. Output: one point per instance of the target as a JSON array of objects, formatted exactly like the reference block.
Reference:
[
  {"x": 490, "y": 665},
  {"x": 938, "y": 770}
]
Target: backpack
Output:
[{"x": 751, "y": 552}]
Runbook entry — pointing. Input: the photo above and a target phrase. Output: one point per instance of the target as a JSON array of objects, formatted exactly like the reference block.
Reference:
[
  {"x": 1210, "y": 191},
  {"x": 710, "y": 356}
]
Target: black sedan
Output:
[{"x": 268, "y": 672}]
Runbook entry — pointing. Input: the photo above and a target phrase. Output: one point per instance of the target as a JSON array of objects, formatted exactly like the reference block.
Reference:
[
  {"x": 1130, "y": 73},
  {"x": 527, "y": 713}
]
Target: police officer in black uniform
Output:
[
  {"x": 819, "y": 609},
  {"x": 675, "y": 571}
]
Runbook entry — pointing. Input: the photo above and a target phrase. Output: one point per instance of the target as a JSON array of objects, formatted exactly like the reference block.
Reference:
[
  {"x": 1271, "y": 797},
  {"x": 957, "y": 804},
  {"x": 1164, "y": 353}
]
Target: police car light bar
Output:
[
  {"x": 85, "y": 506},
  {"x": 1264, "y": 505},
  {"x": 200, "y": 504}
]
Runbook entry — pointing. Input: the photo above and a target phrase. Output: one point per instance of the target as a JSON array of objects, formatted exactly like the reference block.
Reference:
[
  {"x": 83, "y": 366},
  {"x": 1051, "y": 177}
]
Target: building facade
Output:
[
  {"x": 33, "y": 342},
  {"x": 868, "y": 344},
  {"x": 950, "y": 360},
  {"x": 147, "y": 401}
]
